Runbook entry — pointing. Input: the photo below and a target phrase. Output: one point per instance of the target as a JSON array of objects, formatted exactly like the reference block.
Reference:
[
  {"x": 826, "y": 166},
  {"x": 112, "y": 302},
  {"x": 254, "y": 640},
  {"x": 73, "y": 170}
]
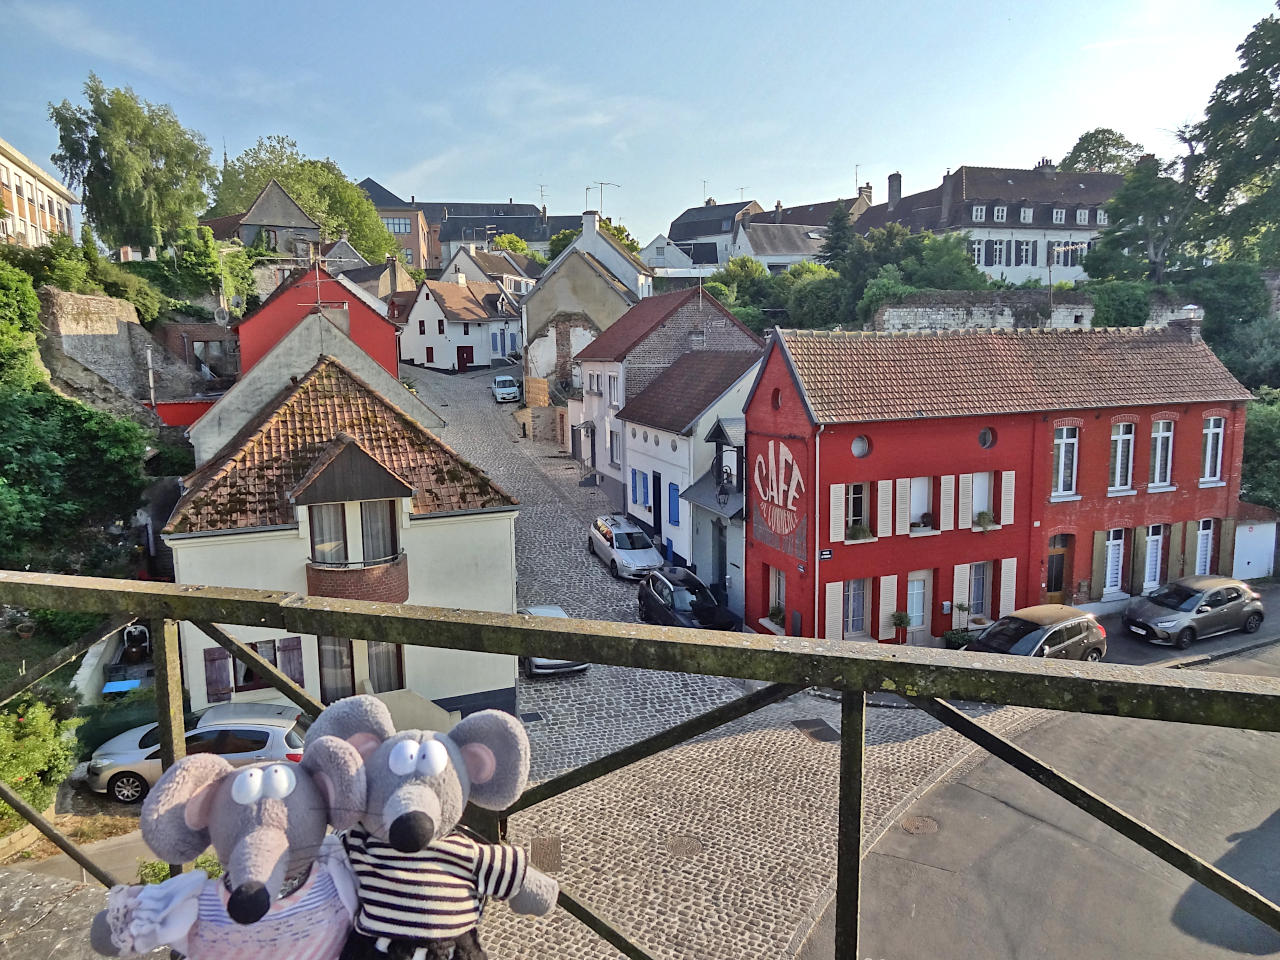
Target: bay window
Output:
[{"x": 328, "y": 533}]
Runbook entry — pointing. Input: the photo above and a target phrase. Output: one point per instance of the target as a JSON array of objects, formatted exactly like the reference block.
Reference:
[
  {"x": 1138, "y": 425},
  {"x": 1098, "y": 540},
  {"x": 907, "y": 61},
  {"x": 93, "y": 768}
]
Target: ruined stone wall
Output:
[{"x": 970, "y": 309}]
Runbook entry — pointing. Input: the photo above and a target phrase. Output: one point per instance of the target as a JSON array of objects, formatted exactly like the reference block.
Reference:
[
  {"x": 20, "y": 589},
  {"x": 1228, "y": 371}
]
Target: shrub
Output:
[
  {"x": 119, "y": 282},
  {"x": 171, "y": 460},
  {"x": 956, "y": 638},
  {"x": 63, "y": 626},
  {"x": 1120, "y": 303},
  {"x": 35, "y": 756},
  {"x": 157, "y": 871},
  {"x": 103, "y": 721}
]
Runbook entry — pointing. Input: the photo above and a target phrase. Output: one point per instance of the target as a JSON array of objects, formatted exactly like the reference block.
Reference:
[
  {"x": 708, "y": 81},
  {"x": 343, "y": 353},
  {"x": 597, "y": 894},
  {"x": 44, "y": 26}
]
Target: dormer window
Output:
[
  {"x": 333, "y": 539},
  {"x": 1103, "y": 220},
  {"x": 1059, "y": 215},
  {"x": 1082, "y": 217},
  {"x": 979, "y": 213},
  {"x": 1027, "y": 213},
  {"x": 998, "y": 214}
]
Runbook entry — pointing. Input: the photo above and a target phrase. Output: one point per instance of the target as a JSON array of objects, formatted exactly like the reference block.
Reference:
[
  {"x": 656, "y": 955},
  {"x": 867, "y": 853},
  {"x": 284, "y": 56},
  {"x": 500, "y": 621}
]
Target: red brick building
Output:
[{"x": 993, "y": 469}]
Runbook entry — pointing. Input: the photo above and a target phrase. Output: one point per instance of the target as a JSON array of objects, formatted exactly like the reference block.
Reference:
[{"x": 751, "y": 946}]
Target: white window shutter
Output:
[
  {"x": 884, "y": 508},
  {"x": 888, "y": 604},
  {"x": 1008, "y": 585},
  {"x": 837, "y": 513},
  {"x": 1007, "y": 481},
  {"x": 959, "y": 595},
  {"x": 835, "y": 610},
  {"x": 964, "y": 505},
  {"x": 946, "y": 502},
  {"x": 902, "y": 514}
]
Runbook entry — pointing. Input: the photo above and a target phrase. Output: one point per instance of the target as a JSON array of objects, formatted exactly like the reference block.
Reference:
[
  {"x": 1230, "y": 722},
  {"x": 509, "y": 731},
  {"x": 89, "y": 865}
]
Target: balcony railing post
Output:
[
  {"x": 167, "y": 657},
  {"x": 853, "y": 718}
]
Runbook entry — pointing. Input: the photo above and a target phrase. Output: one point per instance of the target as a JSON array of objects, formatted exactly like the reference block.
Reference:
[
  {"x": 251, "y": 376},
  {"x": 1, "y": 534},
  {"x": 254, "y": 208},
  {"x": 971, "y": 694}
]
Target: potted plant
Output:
[
  {"x": 857, "y": 531},
  {"x": 900, "y": 620},
  {"x": 985, "y": 520},
  {"x": 776, "y": 615},
  {"x": 956, "y": 638}
]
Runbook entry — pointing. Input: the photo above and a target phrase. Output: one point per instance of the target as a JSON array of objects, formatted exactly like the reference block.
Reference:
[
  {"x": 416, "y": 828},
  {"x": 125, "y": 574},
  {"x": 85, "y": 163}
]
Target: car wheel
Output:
[
  {"x": 127, "y": 788},
  {"x": 644, "y": 616},
  {"x": 613, "y": 568},
  {"x": 524, "y": 668},
  {"x": 1184, "y": 638},
  {"x": 1252, "y": 623},
  {"x": 1094, "y": 655},
  {"x": 591, "y": 547}
]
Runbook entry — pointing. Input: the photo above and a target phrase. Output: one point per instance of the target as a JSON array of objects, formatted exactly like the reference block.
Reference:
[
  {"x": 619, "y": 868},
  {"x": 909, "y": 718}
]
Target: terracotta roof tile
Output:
[
  {"x": 685, "y": 389},
  {"x": 469, "y": 302},
  {"x": 853, "y": 376},
  {"x": 247, "y": 483}
]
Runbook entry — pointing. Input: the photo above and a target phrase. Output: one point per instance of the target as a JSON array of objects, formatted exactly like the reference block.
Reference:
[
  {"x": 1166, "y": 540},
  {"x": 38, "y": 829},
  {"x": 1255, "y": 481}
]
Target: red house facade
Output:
[
  {"x": 298, "y": 296},
  {"x": 928, "y": 473}
]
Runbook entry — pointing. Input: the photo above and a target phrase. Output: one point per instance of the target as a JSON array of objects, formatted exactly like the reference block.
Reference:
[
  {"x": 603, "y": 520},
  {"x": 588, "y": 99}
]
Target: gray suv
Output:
[
  {"x": 1193, "y": 608},
  {"x": 1048, "y": 630},
  {"x": 624, "y": 546}
]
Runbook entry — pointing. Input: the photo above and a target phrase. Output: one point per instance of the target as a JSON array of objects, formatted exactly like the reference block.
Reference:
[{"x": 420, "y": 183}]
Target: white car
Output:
[
  {"x": 624, "y": 546},
  {"x": 545, "y": 666},
  {"x": 505, "y": 389}
]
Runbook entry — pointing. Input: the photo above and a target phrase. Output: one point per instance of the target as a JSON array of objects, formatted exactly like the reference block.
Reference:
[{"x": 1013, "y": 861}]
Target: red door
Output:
[{"x": 466, "y": 356}]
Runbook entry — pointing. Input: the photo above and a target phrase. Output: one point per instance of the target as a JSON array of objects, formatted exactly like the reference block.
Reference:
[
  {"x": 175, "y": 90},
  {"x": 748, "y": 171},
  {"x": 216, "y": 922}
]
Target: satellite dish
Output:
[{"x": 221, "y": 315}]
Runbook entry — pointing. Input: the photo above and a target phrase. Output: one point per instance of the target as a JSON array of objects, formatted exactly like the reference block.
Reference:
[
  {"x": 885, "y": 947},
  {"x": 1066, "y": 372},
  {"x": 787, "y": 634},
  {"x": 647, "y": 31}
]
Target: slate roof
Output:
[
  {"x": 469, "y": 303},
  {"x": 784, "y": 239},
  {"x": 527, "y": 265},
  {"x": 227, "y": 227},
  {"x": 704, "y": 220},
  {"x": 380, "y": 195},
  {"x": 812, "y": 214},
  {"x": 642, "y": 319},
  {"x": 247, "y": 484},
  {"x": 856, "y": 376},
  {"x": 403, "y": 299},
  {"x": 679, "y": 395}
]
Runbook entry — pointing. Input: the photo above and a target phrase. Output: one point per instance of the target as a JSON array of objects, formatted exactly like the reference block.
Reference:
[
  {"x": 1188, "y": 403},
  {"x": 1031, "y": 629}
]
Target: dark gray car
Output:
[
  {"x": 1190, "y": 609},
  {"x": 1048, "y": 630}
]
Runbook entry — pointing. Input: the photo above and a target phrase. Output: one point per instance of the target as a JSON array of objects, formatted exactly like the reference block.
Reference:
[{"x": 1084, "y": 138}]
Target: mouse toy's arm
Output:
[
  {"x": 140, "y": 918},
  {"x": 503, "y": 872}
]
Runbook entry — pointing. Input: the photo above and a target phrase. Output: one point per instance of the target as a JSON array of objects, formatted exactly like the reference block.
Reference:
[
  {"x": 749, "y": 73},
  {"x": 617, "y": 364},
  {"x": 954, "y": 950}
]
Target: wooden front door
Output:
[
  {"x": 1058, "y": 570},
  {"x": 466, "y": 357}
]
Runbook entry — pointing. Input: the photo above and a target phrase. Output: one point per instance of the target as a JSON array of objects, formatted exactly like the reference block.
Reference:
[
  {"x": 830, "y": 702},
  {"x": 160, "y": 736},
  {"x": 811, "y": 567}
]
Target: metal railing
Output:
[{"x": 928, "y": 678}]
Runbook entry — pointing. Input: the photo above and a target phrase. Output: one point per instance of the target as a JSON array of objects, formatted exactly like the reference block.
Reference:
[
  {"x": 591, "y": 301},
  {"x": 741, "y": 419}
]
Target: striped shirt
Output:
[{"x": 434, "y": 893}]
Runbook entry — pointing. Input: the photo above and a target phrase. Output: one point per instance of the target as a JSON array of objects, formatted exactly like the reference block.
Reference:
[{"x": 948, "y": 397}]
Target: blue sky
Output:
[{"x": 487, "y": 101}]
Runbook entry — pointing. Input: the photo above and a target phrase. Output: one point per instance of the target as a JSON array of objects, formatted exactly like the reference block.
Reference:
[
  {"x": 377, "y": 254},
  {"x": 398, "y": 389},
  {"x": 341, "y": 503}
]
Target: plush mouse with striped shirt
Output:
[{"x": 421, "y": 880}]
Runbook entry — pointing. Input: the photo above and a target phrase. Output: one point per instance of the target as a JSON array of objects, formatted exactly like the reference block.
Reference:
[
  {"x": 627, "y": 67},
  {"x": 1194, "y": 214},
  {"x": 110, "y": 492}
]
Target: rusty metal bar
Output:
[
  {"x": 853, "y": 728},
  {"x": 602, "y": 928},
  {"x": 37, "y": 820},
  {"x": 648, "y": 747},
  {"x": 1174, "y": 854},
  {"x": 1152, "y": 693},
  {"x": 62, "y": 657},
  {"x": 167, "y": 658},
  {"x": 264, "y": 668}
]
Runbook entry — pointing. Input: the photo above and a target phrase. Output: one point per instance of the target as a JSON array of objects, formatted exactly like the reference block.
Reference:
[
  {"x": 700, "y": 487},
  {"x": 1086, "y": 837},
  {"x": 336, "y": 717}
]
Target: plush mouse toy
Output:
[
  {"x": 421, "y": 880},
  {"x": 286, "y": 892}
]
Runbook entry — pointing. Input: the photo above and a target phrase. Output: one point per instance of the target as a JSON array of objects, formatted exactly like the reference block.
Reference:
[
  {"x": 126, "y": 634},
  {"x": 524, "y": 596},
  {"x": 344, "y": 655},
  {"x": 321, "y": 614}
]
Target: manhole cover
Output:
[
  {"x": 919, "y": 825},
  {"x": 684, "y": 846},
  {"x": 545, "y": 853}
]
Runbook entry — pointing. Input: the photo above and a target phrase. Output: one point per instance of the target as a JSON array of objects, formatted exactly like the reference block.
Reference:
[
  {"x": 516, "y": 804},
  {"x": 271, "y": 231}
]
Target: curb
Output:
[{"x": 1183, "y": 662}]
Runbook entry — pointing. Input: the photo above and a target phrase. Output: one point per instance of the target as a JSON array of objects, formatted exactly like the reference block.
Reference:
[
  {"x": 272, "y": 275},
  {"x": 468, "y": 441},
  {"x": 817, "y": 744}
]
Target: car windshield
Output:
[
  {"x": 1176, "y": 597},
  {"x": 504, "y": 382},
  {"x": 632, "y": 541},
  {"x": 686, "y": 597},
  {"x": 1009, "y": 635}
]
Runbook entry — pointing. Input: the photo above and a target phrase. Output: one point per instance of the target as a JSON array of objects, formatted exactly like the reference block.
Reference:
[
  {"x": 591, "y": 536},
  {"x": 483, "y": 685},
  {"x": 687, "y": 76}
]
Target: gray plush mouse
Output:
[
  {"x": 285, "y": 892},
  {"x": 421, "y": 880}
]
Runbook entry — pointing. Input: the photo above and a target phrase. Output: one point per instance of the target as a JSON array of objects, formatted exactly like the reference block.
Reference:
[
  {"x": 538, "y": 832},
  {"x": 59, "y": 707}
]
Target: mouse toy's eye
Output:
[
  {"x": 278, "y": 781},
  {"x": 404, "y": 757},
  {"x": 247, "y": 787},
  {"x": 433, "y": 759}
]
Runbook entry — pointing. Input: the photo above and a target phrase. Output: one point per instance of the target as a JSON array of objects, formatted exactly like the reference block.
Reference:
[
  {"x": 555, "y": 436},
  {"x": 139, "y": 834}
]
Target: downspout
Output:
[{"x": 817, "y": 521}]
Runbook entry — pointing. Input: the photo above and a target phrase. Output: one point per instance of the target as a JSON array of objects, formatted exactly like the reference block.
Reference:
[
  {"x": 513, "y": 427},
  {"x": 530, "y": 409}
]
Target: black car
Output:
[{"x": 675, "y": 597}]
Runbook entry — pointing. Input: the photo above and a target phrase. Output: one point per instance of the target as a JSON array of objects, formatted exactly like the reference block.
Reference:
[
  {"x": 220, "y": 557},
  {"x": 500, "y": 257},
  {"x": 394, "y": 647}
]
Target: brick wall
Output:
[
  {"x": 385, "y": 583},
  {"x": 694, "y": 326},
  {"x": 536, "y": 393}
]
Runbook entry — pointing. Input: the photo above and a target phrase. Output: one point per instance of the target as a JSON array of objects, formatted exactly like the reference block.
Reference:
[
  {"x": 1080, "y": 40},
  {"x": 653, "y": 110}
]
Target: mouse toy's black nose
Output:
[
  {"x": 248, "y": 902},
  {"x": 410, "y": 832}
]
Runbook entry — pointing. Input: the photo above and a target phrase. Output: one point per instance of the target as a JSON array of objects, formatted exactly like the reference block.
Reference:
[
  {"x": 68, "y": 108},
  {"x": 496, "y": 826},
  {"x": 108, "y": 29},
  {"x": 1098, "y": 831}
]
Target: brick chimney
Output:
[
  {"x": 864, "y": 193},
  {"x": 745, "y": 219},
  {"x": 1186, "y": 321},
  {"x": 710, "y": 202},
  {"x": 544, "y": 213},
  {"x": 777, "y": 211},
  {"x": 1047, "y": 168},
  {"x": 895, "y": 189}
]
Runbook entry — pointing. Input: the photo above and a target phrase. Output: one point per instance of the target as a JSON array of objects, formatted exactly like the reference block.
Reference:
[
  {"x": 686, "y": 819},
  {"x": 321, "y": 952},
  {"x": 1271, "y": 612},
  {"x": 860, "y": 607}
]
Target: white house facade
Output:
[
  {"x": 460, "y": 325},
  {"x": 516, "y": 275}
]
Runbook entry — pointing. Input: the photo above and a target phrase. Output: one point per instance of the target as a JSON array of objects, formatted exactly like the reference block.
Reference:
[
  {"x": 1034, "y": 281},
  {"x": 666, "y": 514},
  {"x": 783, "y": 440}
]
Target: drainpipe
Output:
[{"x": 817, "y": 520}]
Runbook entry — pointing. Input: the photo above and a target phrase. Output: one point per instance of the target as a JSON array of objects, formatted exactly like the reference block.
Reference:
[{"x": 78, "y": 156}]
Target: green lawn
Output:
[{"x": 13, "y": 651}]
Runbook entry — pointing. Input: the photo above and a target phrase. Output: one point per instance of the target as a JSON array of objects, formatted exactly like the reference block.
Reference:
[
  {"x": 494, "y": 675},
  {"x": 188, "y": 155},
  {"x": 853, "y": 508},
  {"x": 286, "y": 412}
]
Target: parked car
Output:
[
  {"x": 127, "y": 766},
  {"x": 1193, "y": 608},
  {"x": 624, "y": 546},
  {"x": 545, "y": 666},
  {"x": 1049, "y": 630},
  {"x": 675, "y": 597},
  {"x": 505, "y": 389}
]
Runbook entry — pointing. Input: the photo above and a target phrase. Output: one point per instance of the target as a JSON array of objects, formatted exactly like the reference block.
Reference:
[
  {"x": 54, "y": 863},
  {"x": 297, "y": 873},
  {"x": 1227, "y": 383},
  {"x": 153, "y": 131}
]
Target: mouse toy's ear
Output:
[
  {"x": 363, "y": 721},
  {"x": 175, "y": 815},
  {"x": 338, "y": 771},
  {"x": 495, "y": 749}
]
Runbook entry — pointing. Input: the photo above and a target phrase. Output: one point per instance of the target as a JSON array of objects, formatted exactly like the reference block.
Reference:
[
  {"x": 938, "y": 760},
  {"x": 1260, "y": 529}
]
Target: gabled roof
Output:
[
  {"x": 469, "y": 302},
  {"x": 530, "y": 267},
  {"x": 707, "y": 219},
  {"x": 226, "y": 227},
  {"x": 864, "y": 376},
  {"x": 571, "y": 254},
  {"x": 680, "y": 394},
  {"x": 345, "y": 464},
  {"x": 812, "y": 214},
  {"x": 494, "y": 265},
  {"x": 272, "y": 207},
  {"x": 782, "y": 239},
  {"x": 645, "y": 317},
  {"x": 380, "y": 195},
  {"x": 731, "y": 431},
  {"x": 403, "y": 301},
  {"x": 247, "y": 484}
]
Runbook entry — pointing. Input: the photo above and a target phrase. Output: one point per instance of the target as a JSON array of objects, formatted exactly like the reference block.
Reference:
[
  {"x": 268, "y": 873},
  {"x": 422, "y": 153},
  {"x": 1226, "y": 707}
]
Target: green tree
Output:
[
  {"x": 88, "y": 245},
  {"x": 887, "y": 286},
  {"x": 1120, "y": 303},
  {"x": 943, "y": 263},
  {"x": 1252, "y": 354},
  {"x": 19, "y": 321},
  {"x": 748, "y": 279},
  {"x": 561, "y": 240},
  {"x": 319, "y": 187},
  {"x": 140, "y": 172},
  {"x": 1102, "y": 150},
  {"x": 1232, "y": 294},
  {"x": 720, "y": 292},
  {"x": 1260, "y": 482},
  {"x": 509, "y": 241},
  {"x": 816, "y": 301},
  {"x": 753, "y": 318},
  {"x": 840, "y": 234},
  {"x": 616, "y": 230}
]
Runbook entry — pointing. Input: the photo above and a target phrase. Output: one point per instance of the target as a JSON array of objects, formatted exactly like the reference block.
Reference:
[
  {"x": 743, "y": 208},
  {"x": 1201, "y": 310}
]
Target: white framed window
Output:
[
  {"x": 857, "y": 600},
  {"x": 1162, "y": 453},
  {"x": 998, "y": 214},
  {"x": 1113, "y": 561},
  {"x": 1082, "y": 217},
  {"x": 997, "y": 253},
  {"x": 922, "y": 502},
  {"x": 979, "y": 213},
  {"x": 1103, "y": 219},
  {"x": 1151, "y": 576},
  {"x": 1121, "y": 472},
  {"x": 1026, "y": 213},
  {"x": 1024, "y": 251},
  {"x": 980, "y": 589},
  {"x": 1204, "y": 547},
  {"x": 1059, "y": 215},
  {"x": 396, "y": 224},
  {"x": 1066, "y": 440},
  {"x": 615, "y": 448},
  {"x": 1061, "y": 255},
  {"x": 1212, "y": 454},
  {"x": 982, "y": 484},
  {"x": 777, "y": 589},
  {"x": 975, "y": 251},
  {"x": 613, "y": 390},
  {"x": 915, "y": 601},
  {"x": 857, "y": 511}
]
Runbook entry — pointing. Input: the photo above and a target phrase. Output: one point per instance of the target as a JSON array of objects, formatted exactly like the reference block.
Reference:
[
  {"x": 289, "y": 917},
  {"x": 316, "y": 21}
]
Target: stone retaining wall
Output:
[{"x": 21, "y": 838}]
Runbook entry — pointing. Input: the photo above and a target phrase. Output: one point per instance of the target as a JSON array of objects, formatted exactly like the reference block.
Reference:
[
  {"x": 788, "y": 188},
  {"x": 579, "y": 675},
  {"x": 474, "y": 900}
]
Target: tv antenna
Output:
[
  {"x": 542, "y": 193},
  {"x": 705, "y": 181},
  {"x": 740, "y": 191},
  {"x": 602, "y": 184}
]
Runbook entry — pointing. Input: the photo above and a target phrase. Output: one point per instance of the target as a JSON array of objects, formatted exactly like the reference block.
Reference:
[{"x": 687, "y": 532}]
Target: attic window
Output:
[{"x": 1026, "y": 214}]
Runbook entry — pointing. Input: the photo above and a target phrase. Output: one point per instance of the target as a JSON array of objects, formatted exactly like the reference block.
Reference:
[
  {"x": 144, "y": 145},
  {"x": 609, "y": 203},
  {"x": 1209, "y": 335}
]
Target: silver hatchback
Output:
[
  {"x": 624, "y": 546},
  {"x": 1193, "y": 608}
]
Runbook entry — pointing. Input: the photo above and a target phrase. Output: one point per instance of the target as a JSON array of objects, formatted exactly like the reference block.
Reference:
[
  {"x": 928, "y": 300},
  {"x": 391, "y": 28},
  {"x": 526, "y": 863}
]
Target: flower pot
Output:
[
  {"x": 25, "y": 630},
  {"x": 900, "y": 635}
]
